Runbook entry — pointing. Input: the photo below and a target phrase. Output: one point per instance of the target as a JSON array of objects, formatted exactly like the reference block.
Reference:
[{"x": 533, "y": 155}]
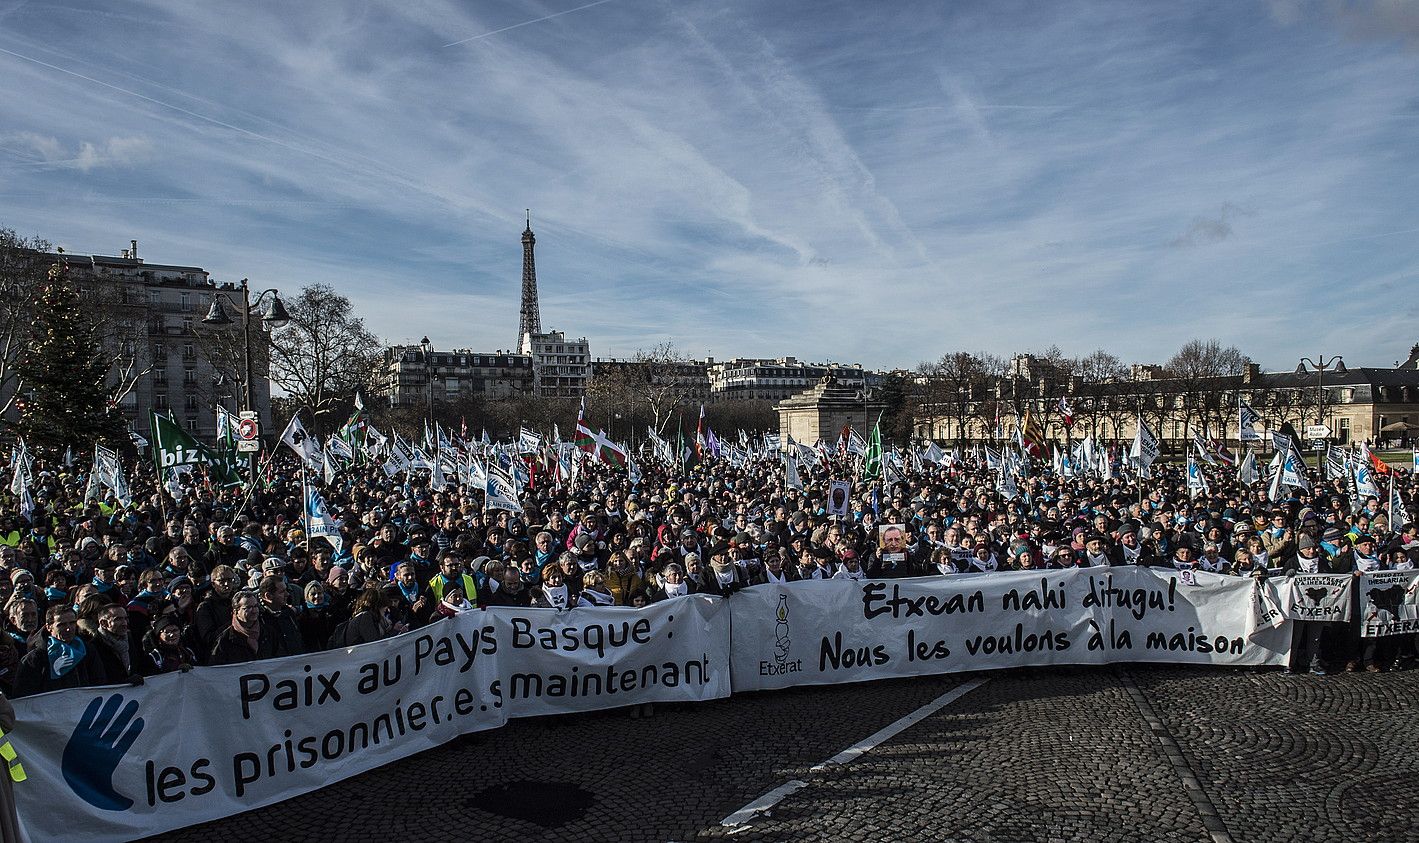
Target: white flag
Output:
[
  {"x": 297, "y": 439},
  {"x": 319, "y": 522},
  {"x": 1398, "y": 515},
  {"x": 1293, "y": 471},
  {"x": 1246, "y": 421},
  {"x": 500, "y": 493},
  {"x": 1196, "y": 482},
  {"x": 790, "y": 471},
  {"x": 1365, "y": 486},
  {"x": 1246, "y": 472},
  {"x": 327, "y": 466},
  {"x": 1145, "y": 448},
  {"x": 1273, "y": 492}
]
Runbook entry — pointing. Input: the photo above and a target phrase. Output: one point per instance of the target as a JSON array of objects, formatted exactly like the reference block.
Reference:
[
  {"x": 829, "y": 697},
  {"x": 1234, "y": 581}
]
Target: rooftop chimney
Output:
[{"x": 133, "y": 251}]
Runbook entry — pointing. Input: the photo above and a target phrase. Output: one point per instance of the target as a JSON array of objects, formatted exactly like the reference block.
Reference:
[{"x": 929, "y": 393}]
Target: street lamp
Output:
[
  {"x": 273, "y": 318},
  {"x": 429, "y": 375},
  {"x": 1321, "y": 366}
]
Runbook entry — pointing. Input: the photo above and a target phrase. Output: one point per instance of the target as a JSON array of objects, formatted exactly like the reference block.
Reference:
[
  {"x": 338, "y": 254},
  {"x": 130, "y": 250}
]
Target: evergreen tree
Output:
[{"x": 64, "y": 372}]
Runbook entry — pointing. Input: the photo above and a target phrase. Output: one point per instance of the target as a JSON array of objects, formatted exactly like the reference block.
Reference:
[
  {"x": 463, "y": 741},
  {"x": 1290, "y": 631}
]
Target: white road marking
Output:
[{"x": 764, "y": 803}]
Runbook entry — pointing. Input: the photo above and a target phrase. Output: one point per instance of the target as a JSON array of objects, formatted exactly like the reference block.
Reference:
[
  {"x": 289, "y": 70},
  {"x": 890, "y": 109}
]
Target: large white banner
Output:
[
  {"x": 119, "y": 763},
  {"x": 123, "y": 762},
  {"x": 829, "y": 631},
  {"x": 1389, "y": 603},
  {"x": 592, "y": 658}
]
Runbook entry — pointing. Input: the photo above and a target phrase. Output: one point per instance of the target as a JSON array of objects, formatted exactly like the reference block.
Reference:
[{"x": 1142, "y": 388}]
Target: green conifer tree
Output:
[{"x": 64, "y": 372}]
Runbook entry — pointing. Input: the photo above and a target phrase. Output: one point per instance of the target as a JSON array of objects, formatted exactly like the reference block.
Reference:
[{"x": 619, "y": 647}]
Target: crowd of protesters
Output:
[{"x": 96, "y": 593}]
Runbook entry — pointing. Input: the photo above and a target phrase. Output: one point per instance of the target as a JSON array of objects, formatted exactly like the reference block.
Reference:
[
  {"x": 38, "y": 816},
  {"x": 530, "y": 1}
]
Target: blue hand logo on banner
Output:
[{"x": 98, "y": 744}]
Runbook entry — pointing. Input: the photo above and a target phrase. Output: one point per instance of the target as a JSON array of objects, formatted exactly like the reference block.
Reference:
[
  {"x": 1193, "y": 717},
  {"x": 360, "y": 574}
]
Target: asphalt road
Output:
[{"x": 1090, "y": 754}]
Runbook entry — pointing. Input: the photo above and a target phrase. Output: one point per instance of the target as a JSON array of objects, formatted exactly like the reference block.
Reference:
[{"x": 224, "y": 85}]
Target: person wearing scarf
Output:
[
  {"x": 409, "y": 603},
  {"x": 848, "y": 567},
  {"x": 62, "y": 660},
  {"x": 594, "y": 591},
  {"x": 724, "y": 577},
  {"x": 111, "y": 645},
  {"x": 622, "y": 578},
  {"x": 453, "y": 603},
  {"x": 672, "y": 583},
  {"x": 777, "y": 568},
  {"x": 544, "y": 552},
  {"x": 140, "y": 608},
  {"x": 244, "y": 640},
  {"x": 982, "y": 559},
  {"x": 553, "y": 593},
  {"x": 21, "y": 621},
  {"x": 318, "y": 619}
]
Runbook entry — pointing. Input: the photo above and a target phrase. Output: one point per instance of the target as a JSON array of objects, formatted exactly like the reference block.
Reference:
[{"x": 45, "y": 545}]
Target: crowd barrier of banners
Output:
[{"x": 124, "y": 762}]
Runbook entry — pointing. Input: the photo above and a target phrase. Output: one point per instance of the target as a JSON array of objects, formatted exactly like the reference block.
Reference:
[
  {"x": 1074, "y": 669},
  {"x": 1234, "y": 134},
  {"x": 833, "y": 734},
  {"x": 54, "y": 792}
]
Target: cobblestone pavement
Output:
[{"x": 1138, "y": 753}]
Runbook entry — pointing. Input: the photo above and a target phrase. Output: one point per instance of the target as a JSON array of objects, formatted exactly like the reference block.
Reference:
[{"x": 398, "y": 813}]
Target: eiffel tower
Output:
[{"x": 530, "y": 317}]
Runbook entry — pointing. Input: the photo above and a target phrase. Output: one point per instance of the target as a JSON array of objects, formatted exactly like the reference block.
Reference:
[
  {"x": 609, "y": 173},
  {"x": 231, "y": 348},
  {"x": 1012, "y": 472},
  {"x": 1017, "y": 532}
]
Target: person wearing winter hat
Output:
[{"x": 163, "y": 650}]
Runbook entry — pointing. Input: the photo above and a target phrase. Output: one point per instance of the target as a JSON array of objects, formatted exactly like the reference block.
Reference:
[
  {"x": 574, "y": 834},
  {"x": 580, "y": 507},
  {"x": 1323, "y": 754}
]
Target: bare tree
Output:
[
  {"x": 325, "y": 354},
  {"x": 1104, "y": 380},
  {"x": 956, "y": 384},
  {"x": 23, "y": 269},
  {"x": 656, "y": 382},
  {"x": 1204, "y": 372}
]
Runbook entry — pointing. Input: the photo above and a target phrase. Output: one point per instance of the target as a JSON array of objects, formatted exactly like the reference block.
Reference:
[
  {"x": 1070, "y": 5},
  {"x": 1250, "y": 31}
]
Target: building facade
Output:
[
  {"x": 561, "y": 367},
  {"x": 455, "y": 374},
  {"x": 150, "y": 320},
  {"x": 1361, "y": 404},
  {"x": 822, "y": 411},
  {"x": 753, "y": 379},
  {"x": 687, "y": 380}
]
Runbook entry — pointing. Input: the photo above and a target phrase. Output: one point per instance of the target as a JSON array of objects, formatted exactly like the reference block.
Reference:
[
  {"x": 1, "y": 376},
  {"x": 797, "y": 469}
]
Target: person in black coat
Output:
[
  {"x": 724, "y": 577},
  {"x": 163, "y": 650},
  {"x": 214, "y": 613},
  {"x": 277, "y": 614},
  {"x": 514, "y": 591},
  {"x": 60, "y": 658},
  {"x": 777, "y": 568},
  {"x": 318, "y": 618},
  {"x": 112, "y": 647},
  {"x": 246, "y": 638},
  {"x": 410, "y": 601}
]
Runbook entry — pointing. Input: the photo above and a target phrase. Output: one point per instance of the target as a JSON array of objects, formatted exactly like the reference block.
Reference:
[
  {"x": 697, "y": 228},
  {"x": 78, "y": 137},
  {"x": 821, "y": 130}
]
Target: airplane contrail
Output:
[{"x": 525, "y": 23}]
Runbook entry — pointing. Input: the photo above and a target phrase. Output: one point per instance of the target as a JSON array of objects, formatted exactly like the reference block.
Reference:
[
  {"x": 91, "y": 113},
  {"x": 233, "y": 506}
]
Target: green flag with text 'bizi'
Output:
[
  {"x": 175, "y": 449},
  {"x": 872, "y": 460}
]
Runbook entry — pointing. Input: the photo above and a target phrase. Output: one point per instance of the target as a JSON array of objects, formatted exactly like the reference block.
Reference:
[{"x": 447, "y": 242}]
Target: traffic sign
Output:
[
  {"x": 248, "y": 433},
  {"x": 1319, "y": 443},
  {"x": 1317, "y": 431}
]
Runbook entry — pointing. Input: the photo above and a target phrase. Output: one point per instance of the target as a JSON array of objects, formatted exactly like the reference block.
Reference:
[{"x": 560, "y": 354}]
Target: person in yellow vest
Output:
[
  {"x": 9, "y": 819},
  {"x": 451, "y": 570}
]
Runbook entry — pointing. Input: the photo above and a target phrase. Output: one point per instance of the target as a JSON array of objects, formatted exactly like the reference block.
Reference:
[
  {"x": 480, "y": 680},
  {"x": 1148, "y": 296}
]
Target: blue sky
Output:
[{"x": 848, "y": 181}]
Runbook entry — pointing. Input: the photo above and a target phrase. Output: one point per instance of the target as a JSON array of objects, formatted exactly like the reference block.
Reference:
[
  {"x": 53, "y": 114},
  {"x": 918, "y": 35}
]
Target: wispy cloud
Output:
[{"x": 744, "y": 178}]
